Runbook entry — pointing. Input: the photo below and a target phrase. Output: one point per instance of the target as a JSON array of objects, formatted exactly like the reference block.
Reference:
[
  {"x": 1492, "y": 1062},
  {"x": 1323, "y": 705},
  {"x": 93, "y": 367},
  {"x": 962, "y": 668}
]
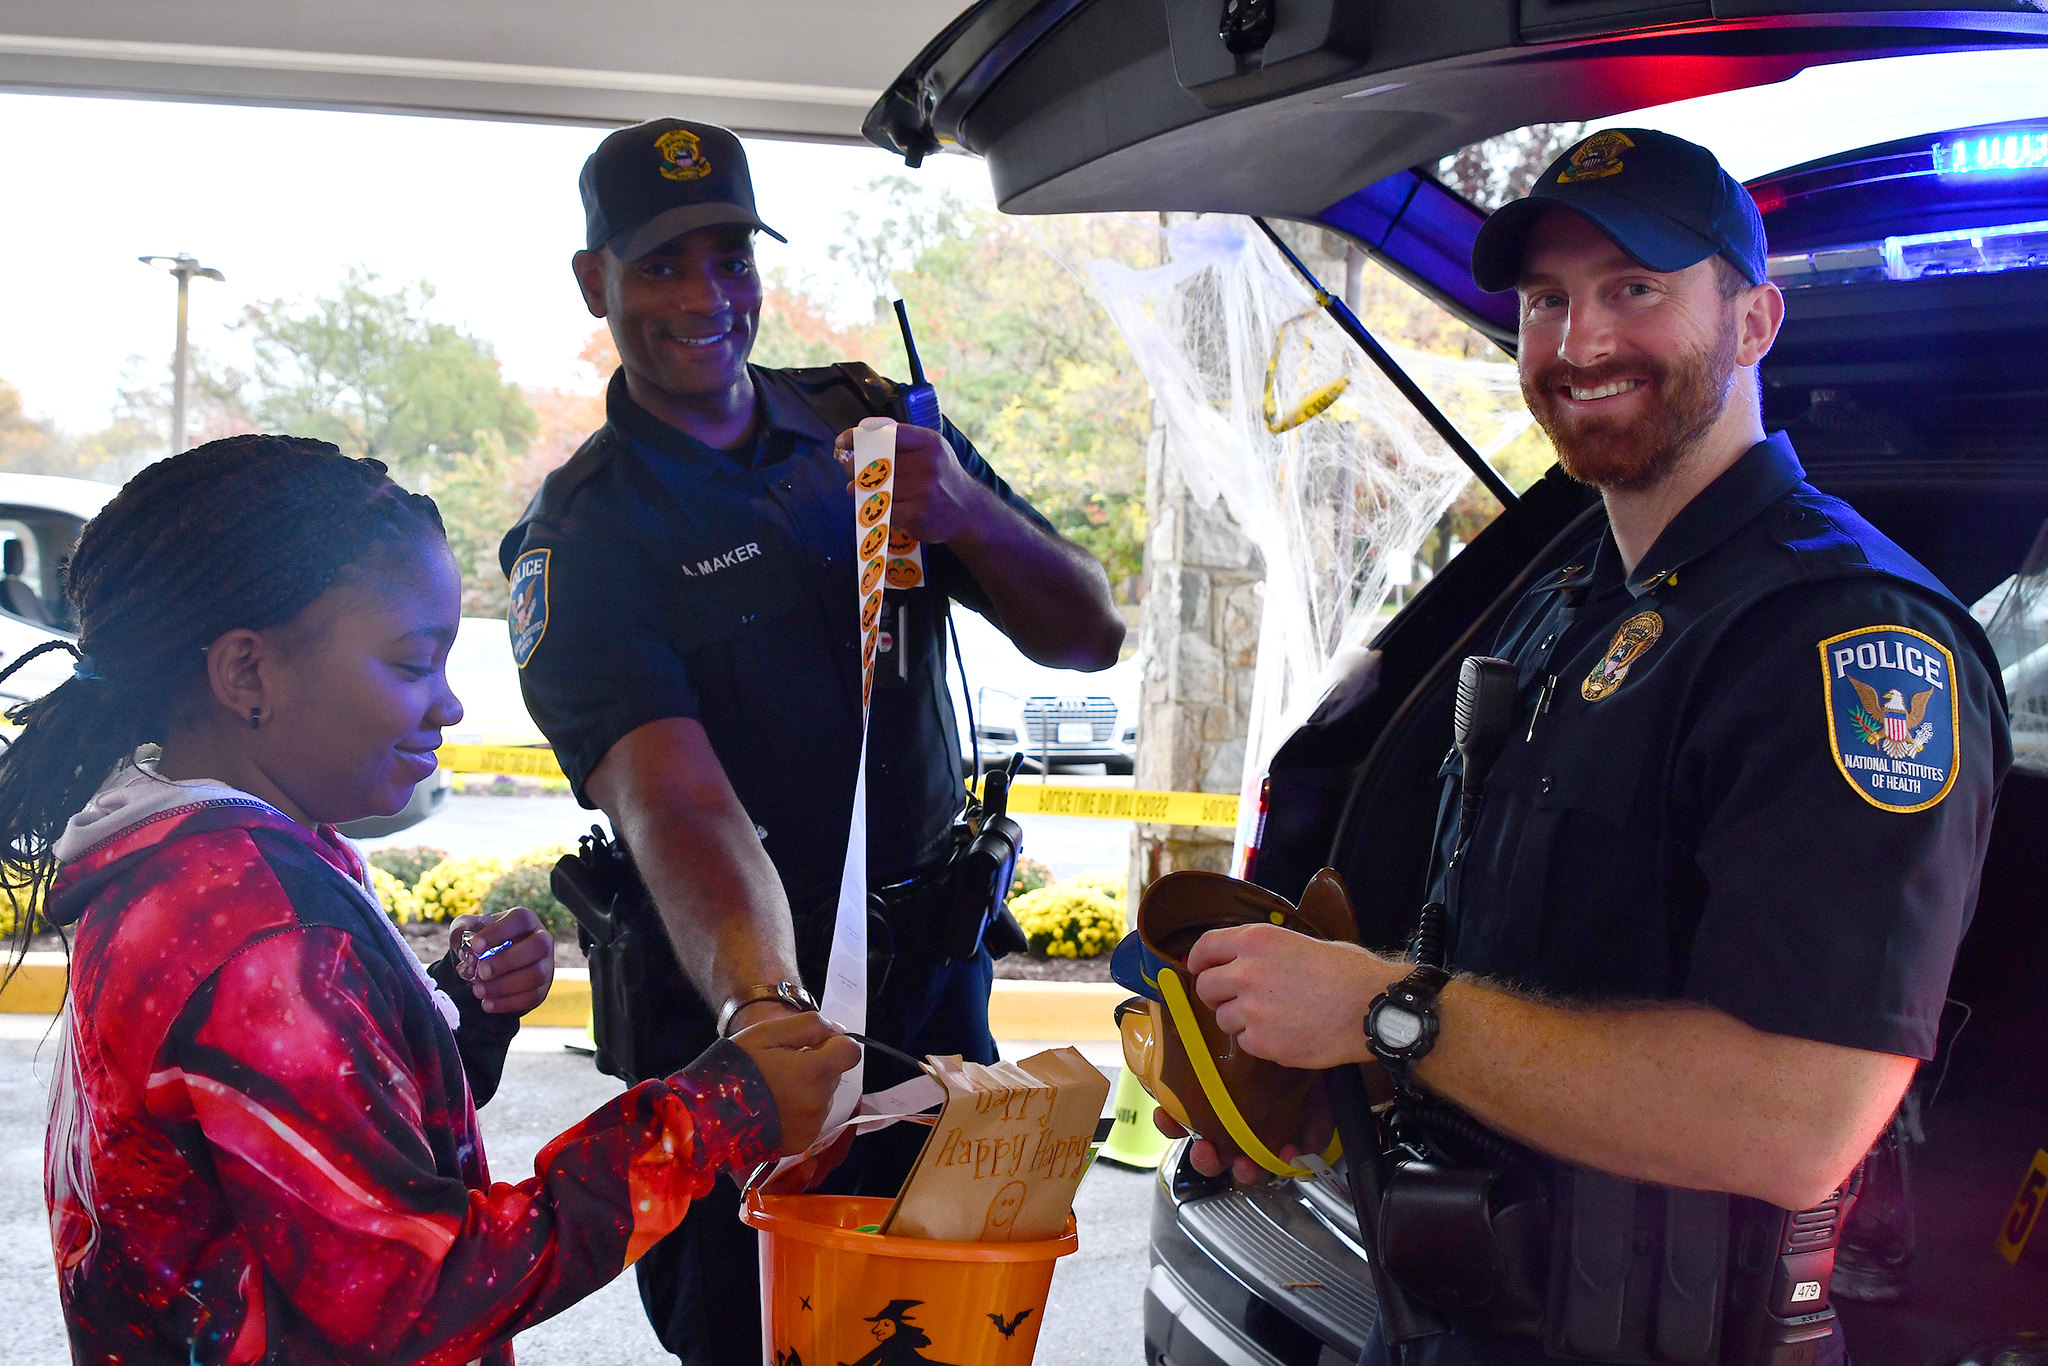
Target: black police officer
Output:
[
  {"x": 1703, "y": 930},
  {"x": 685, "y": 619}
]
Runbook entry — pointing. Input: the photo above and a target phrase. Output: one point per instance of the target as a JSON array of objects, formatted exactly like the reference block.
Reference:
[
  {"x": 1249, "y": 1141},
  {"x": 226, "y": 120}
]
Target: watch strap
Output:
[
  {"x": 791, "y": 994},
  {"x": 1415, "y": 994}
]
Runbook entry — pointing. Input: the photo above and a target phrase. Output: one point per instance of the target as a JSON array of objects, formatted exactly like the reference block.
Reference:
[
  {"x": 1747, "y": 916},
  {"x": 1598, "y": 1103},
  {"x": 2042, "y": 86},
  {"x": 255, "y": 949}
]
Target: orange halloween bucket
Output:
[{"x": 831, "y": 1294}]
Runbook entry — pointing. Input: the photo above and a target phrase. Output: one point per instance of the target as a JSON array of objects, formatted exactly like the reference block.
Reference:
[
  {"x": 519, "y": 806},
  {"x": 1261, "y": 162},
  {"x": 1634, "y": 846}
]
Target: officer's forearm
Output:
[
  {"x": 1679, "y": 1094},
  {"x": 1051, "y": 597},
  {"x": 698, "y": 852}
]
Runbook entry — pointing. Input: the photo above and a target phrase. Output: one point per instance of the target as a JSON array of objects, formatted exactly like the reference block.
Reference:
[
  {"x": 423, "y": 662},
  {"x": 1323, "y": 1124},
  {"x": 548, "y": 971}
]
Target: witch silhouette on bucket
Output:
[{"x": 901, "y": 1340}]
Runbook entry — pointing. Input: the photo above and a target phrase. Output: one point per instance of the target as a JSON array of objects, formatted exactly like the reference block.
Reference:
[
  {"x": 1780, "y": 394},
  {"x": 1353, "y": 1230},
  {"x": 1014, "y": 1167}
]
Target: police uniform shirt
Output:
[
  {"x": 655, "y": 577},
  {"x": 1757, "y": 773}
]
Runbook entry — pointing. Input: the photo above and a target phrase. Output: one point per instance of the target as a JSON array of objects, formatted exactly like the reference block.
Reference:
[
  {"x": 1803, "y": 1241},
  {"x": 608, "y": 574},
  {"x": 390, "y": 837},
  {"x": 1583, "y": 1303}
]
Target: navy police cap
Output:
[
  {"x": 655, "y": 181},
  {"x": 1664, "y": 201}
]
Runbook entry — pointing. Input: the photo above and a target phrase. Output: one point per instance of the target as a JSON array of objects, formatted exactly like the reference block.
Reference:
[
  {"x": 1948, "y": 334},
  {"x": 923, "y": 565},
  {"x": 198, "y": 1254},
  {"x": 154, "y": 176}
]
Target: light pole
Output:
[{"x": 184, "y": 268}]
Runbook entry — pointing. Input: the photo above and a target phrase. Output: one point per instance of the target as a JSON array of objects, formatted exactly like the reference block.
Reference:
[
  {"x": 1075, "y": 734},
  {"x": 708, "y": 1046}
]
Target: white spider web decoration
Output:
[{"x": 1337, "y": 503}]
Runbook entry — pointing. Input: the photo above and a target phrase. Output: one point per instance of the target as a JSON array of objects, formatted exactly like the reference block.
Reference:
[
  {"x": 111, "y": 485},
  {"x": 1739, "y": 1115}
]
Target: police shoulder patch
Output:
[
  {"x": 1893, "y": 724},
  {"x": 528, "y": 615}
]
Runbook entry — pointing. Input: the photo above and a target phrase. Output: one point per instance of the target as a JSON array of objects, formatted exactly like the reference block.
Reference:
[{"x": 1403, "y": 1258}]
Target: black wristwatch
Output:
[
  {"x": 790, "y": 994},
  {"x": 1401, "y": 1026}
]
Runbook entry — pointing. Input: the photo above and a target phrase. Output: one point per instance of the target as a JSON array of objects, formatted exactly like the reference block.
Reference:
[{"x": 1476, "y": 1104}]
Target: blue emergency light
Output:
[{"x": 2019, "y": 150}]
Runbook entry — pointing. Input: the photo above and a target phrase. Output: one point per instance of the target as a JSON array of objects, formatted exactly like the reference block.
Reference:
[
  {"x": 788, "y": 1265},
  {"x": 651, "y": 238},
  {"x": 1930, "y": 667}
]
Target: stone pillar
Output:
[{"x": 1199, "y": 636}]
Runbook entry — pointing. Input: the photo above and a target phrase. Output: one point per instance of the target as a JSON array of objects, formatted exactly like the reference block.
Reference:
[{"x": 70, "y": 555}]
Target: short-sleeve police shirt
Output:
[
  {"x": 1757, "y": 773},
  {"x": 655, "y": 577}
]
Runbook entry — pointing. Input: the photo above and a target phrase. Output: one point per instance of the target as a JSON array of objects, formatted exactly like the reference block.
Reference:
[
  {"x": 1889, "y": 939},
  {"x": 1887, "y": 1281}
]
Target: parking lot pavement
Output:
[{"x": 1093, "y": 1317}]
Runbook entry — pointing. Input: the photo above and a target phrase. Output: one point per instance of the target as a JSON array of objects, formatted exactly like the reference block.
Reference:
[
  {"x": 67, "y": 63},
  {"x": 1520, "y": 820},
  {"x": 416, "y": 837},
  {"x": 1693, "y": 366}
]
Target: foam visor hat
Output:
[
  {"x": 1171, "y": 1040},
  {"x": 655, "y": 181},
  {"x": 1664, "y": 201}
]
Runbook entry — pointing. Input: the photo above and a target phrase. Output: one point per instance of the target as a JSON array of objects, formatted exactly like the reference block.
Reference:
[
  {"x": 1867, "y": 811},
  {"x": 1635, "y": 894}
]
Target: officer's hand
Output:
[
  {"x": 936, "y": 498},
  {"x": 1285, "y": 997},
  {"x": 507, "y": 958},
  {"x": 801, "y": 1058},
  {"x": 1317, "y": 1126}
]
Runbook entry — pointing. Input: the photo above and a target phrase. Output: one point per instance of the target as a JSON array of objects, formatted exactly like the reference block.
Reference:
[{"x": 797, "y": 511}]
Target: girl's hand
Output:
[
  {"x": 507, "y": 958},
  {"x": 801, "y": 1058}
]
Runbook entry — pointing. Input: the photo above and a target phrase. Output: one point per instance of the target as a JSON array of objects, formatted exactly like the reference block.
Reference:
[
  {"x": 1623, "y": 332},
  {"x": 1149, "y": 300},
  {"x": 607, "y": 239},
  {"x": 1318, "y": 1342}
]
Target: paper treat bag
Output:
[{"x": 1006, "y": 1153}]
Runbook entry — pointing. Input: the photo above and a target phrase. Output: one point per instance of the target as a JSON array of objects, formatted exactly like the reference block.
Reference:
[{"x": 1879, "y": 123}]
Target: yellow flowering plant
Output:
[
  {"x": 399, "y": 901},
  {"x": 457, "y": 886},
  {"x": 1069, "y": 921}
]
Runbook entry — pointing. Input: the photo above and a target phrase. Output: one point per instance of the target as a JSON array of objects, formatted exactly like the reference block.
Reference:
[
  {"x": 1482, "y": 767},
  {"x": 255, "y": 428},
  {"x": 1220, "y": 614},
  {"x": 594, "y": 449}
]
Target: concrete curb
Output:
[{"x": 1027, "y": 1011}]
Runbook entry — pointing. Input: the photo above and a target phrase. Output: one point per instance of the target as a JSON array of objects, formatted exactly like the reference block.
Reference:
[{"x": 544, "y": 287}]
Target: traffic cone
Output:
[{"x": 1134, "y": 1140}]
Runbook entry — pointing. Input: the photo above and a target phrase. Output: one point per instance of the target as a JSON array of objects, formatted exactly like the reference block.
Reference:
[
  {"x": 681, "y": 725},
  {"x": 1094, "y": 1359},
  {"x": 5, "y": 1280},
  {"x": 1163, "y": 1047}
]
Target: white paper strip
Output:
[{"x": 846, "y": 977}]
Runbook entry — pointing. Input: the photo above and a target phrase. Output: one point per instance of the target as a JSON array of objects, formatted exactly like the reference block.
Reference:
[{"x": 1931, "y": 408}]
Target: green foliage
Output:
[
  {"x": 1025, "y": 362},
  {"x": 1029, "y": 877},
  {"x": 527, "y": 885},
  {"x": 481, "y": 494},
  {"x": 366, "y": 369},
  {"x": 1069, "y": 921},
  {"x": 409, "y": 863},
  {"x": 1032, "y": 369}
]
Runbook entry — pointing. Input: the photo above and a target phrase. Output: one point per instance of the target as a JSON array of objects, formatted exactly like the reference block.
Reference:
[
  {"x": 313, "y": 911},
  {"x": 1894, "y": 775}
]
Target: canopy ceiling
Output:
[{"x": 783, "y": 68}]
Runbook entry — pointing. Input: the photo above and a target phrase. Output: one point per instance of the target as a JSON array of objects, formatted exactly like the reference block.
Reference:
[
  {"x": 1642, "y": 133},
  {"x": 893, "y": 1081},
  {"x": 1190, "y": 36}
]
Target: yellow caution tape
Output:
[
  {"x": 525, "y": 761},
  {"x": 1123, "y": 804},
  {"x": 2026, "y": 1208},
  {"x": 1026, "y": 797}
]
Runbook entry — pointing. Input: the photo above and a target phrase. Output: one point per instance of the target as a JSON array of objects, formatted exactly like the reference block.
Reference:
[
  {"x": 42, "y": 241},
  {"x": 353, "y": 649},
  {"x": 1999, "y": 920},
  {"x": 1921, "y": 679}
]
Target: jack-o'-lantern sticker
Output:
[
  {"x": 904, "y": 573},
  {"x": 870, "y": 576},
  {"x": 872, "y": 476},
  {"x": 871, "y": 544},
  {"x": 869, "y": 610},
  {"x": 874, "y": 509},
  {"x": 901, "y": 542}
]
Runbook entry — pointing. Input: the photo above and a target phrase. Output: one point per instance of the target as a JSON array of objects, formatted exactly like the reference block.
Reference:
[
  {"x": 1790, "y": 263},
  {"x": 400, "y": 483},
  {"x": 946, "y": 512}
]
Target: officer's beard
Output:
[{"x": 1687, "y": 395}]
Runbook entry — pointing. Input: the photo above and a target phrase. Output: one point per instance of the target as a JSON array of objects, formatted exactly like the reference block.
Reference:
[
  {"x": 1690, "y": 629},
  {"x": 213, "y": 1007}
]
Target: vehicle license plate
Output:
[{"x": 1076, "y": 732}]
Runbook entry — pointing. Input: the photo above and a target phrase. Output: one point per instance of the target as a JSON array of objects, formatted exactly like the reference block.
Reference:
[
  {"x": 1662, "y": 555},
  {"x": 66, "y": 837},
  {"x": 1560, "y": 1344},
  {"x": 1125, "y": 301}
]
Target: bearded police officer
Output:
[
  {"x": 686, "y": 622},
  {"x": 1700, "y": 936}
]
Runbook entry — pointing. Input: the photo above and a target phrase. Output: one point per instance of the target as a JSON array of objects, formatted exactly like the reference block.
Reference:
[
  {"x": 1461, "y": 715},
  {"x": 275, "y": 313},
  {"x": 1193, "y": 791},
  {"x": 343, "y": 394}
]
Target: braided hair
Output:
[{"x": 242, "y": 533}]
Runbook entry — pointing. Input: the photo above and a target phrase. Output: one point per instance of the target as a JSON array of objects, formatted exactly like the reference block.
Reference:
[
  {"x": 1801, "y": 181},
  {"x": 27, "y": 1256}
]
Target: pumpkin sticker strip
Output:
[{"x": 845, "y": 1000}]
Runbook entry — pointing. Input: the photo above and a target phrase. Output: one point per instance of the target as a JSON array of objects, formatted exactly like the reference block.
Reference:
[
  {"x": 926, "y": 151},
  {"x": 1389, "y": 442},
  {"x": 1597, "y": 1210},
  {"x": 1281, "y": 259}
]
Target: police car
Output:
[{"x": 1913, "y": 249}]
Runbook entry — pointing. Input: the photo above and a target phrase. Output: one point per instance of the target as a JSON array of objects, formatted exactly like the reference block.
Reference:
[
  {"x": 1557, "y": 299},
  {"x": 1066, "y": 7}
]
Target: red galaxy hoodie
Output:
[{"x": 262, "y": 1146}]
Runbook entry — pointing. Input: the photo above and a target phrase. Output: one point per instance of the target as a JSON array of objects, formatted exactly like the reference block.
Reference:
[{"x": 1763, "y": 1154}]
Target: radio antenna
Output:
[{"x": 909, "y": 344}]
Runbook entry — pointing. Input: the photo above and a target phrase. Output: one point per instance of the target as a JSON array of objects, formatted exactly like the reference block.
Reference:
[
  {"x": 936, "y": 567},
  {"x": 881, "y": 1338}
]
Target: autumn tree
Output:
[
  {"x": 1491, "y": 172},
  {"x": 367, "y": 369},
  {"x": 37, "y": 446},
  {"x": 1025, "y": 362}
]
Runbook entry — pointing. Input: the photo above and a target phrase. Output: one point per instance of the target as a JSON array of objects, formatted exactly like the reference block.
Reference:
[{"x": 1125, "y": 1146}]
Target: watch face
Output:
[{"x": 1396, "y": 1028}]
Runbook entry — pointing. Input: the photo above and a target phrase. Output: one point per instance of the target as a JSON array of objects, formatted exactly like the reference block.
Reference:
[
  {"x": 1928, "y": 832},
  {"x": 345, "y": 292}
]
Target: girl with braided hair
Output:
[{"x": 263, "y": 1145}]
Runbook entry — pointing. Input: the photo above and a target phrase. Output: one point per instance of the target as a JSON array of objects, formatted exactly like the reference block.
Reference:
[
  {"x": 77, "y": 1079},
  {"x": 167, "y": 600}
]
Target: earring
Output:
[{"x": 255, "y": 718}]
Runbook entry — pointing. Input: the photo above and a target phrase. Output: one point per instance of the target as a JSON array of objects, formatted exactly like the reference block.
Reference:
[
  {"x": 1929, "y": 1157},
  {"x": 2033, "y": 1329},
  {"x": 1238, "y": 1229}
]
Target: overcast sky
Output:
[{"x": 283, "y": 201}]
